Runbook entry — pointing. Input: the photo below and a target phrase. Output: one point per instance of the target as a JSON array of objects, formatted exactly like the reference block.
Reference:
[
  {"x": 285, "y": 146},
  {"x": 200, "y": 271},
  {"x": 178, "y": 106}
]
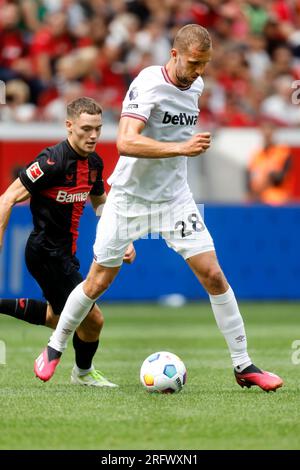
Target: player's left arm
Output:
[{"x": 15, "y": 193}]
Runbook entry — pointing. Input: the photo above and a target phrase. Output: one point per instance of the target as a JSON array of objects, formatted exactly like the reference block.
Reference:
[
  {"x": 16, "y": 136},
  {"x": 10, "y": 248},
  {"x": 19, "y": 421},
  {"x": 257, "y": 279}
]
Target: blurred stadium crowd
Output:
[{"x": 52, "y": 51}]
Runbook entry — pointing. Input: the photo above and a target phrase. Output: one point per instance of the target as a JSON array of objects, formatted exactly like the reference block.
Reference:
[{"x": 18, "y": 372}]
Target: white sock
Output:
[
  {"x": 83, "y": 371},
  {"x": 230, "y": 323},
  {"x": 76, "y": 309}
]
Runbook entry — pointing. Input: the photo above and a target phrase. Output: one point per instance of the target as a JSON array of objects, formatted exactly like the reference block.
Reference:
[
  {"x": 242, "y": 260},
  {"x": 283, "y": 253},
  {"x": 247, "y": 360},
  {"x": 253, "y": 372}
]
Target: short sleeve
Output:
[
  {"x": 140, "y": 98},
  {"x": 39, "y": 173},
  {"x": 96, "y": 176}
]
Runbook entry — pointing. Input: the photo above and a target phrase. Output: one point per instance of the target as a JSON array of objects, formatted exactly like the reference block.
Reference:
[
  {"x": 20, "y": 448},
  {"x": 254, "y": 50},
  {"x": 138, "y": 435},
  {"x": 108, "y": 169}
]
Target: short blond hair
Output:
[
  {"x": 192, "y": 34},
  {"x": 83, "y": 105}
]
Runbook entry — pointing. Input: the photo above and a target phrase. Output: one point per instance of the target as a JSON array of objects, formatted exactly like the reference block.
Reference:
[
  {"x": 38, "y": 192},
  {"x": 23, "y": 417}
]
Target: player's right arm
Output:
[
  {"x": 15, "y": 193},
  {"x": 131, "y": 142}
]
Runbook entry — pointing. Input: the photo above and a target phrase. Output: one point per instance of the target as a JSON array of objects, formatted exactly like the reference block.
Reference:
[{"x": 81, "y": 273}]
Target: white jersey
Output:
[{"x": 170, "y": 115}]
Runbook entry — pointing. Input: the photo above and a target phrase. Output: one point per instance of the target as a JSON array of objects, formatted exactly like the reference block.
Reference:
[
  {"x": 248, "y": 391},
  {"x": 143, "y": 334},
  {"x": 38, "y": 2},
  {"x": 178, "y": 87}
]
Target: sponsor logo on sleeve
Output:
[{"x": 34, "y": 172}]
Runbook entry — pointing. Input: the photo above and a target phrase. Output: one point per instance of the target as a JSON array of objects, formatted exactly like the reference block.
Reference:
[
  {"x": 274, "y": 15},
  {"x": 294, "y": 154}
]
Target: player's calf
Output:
[{"x": 90, "y": 328}]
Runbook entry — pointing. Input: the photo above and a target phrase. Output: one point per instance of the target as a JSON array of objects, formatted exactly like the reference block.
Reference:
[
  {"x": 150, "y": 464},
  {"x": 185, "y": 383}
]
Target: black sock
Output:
[
  {"x": 84, "y": 352},
  {"x": 29, "y": 310},
  {"x": 52, "y": 353},
  {"x": 250, "y": 369}
]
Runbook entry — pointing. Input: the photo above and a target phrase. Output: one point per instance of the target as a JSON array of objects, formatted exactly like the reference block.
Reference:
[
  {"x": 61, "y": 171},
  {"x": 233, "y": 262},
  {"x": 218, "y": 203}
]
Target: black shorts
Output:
[{"x": 56, "y": 275}]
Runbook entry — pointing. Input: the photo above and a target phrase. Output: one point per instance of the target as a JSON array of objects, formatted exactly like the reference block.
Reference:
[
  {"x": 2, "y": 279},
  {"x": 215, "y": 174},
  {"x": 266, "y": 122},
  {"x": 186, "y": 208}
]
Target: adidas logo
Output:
[{"x": 40, "y": 363}]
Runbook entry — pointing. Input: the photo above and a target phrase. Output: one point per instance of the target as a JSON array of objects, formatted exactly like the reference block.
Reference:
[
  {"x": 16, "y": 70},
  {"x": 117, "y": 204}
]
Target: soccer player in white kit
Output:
[{"x": 150, "y": 193}]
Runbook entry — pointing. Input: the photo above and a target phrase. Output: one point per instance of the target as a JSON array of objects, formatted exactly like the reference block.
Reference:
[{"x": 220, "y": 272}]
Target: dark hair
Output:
[
  {"x": 192, "y": 34},
  {"x": 83, "y": 105}
]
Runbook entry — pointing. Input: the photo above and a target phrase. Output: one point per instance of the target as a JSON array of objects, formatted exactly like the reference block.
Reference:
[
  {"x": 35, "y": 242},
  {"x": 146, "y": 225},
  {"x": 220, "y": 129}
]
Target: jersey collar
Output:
[
  {"x": 168, "y": 80},
  {"x": 79, "y": 157}
]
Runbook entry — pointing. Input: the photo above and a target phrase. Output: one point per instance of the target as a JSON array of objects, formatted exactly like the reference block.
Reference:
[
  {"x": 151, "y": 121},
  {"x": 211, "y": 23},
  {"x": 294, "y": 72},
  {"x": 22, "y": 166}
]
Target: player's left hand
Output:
[{"x": 130, "y": 254}]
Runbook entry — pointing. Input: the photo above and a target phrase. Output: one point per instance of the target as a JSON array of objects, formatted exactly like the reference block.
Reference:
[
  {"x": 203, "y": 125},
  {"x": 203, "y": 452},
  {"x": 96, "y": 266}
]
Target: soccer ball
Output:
[{"x": 163, "y": 372}]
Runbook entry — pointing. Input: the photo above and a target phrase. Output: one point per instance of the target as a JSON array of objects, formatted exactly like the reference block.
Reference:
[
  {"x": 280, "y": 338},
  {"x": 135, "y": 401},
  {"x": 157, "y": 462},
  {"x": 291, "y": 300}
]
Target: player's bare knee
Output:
[
  {"x": 96, "y": 285},
  {"x": 215, "y": 280}
]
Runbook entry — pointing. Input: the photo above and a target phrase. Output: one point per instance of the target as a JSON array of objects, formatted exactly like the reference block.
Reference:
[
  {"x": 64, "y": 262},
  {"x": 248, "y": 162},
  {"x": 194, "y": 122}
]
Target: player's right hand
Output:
[{"x": 198, "y": 144}]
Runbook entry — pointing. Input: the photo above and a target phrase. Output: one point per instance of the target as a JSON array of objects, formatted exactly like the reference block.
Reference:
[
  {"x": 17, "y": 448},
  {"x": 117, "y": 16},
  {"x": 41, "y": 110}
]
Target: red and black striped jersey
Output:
[{"x": 60, "y": 181}]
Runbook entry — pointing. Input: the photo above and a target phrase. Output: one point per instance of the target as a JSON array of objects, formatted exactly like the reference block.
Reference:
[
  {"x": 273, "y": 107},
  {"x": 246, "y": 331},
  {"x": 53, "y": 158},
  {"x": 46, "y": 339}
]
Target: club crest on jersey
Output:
[
  {"x": 70, "y": 176},
  {"x": 34, "y": 172},
  {"x": 93, "y": 176},
  {"x": 133, "y": 93}
]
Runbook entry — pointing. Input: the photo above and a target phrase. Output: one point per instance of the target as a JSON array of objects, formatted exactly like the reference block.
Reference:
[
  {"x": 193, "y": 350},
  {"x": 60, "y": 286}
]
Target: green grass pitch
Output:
[{"x": 212, "y": 411}]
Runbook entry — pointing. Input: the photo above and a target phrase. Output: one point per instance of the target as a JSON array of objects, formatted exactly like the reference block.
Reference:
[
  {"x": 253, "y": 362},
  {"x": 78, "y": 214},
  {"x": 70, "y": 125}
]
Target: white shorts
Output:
[{"x": 126, "y": 218}]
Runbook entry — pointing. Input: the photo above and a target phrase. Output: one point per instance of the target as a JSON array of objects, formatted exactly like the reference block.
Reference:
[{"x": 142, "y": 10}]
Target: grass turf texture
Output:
[{"x": 212, "y": 411}]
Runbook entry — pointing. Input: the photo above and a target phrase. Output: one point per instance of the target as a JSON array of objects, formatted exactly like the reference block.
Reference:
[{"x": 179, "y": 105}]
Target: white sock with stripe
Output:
[
  {"x": 76, "y": 309},
  {"x": 231, "y": 325}
]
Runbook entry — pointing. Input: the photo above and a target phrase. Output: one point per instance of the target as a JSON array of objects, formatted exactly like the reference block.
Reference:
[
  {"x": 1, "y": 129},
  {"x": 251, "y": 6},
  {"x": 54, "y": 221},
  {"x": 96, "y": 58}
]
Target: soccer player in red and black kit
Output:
[{"x": 59, "y": 182}]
